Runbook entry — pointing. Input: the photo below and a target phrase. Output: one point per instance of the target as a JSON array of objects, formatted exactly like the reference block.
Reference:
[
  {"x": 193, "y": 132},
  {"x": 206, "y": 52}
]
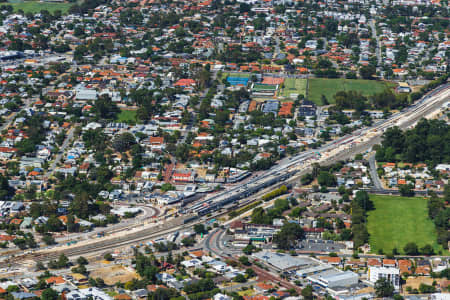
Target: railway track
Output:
[{"x": 154, "y": 232}]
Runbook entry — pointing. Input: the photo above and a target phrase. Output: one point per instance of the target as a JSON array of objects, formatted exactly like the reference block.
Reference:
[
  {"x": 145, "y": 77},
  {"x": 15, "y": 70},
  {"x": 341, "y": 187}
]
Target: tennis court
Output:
[{"x": 237, "y": 80}]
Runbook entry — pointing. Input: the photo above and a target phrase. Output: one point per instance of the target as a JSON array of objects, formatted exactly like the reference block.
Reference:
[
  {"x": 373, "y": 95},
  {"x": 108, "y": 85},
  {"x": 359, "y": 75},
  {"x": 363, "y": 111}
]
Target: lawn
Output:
[
  {"x": 396, "y": 221},
  {"x": 126, "y": 116},
  {"x": 37, "y": 6},
  {"x": 329, "y": 87},
  {"x": 294, "y": 86},
  {"x": 264, "y": 87}
]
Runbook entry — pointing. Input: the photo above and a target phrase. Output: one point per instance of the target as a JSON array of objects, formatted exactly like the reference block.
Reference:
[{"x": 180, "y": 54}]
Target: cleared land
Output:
[
  {"x": 396, "y": 221},
  {"x": 294, "y": 86},
  {"x": 126, "y": 116},
  {"x": 329, "y": 87},
  {"x": 36, "y": 6},
  {"x": 114, "y": 274}
]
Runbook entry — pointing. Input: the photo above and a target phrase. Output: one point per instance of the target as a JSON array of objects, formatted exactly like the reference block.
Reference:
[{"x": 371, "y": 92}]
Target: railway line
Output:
[
  {"x": 341, "y": 147},
  {"x": 288, "y": 170}
]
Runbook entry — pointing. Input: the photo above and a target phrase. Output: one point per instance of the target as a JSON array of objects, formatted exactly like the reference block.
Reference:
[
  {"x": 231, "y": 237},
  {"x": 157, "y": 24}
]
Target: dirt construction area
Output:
[
  {"x": 113, "y": 274},
  {"x": 414, "y": 282}
]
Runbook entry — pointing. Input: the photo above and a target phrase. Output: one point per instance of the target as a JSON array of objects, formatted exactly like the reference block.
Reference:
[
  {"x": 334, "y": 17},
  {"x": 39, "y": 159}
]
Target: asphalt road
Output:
[
  {"x": 167, "y": 226},
  {"x": 375, "y": 36},
  {"x": 374, "y": 174},
  {"x": 28, "y": 103},
  {"x": 60, "y": 153}
]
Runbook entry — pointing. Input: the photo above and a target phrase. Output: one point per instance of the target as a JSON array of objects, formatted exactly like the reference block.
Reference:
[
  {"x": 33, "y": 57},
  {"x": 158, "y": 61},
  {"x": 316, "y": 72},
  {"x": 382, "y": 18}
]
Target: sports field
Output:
[
  {"x": 329, "y": 87},
  {"x": 37, "y": 6},
  {"x": 396, "y": 221},
  {"x": 294, "y": 86},
  {"x": 264, "y": 87},
  {"x": 126, "y": 116}
]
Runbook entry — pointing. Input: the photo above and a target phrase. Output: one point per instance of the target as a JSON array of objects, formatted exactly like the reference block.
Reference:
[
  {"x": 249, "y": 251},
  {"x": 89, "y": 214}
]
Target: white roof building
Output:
[{"x": 391, "y": 274}]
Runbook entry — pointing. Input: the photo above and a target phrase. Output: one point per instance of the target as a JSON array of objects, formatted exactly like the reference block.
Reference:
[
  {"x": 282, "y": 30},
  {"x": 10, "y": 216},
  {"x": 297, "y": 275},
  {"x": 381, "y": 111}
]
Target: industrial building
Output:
[
  {"x": 339, "y": 279},
  {"x": 283, "y": 262}
]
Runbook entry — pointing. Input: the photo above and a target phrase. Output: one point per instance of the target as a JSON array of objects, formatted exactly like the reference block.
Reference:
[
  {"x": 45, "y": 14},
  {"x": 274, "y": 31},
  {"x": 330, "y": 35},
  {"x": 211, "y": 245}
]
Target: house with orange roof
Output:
[
  {"x": 401, "y": 182},
  {"x": 153, "y": 287},
  {"x": 389, "y": 165},
  {"x": 185, "y": 83},
  {"x": 184, "y": 176},
  {"x": 405, "y": 266},
  {"x": 7, "y": 238},
  {"x": 256, "y": 297},
  {"x": 196, "y": 254},
  {"x": 263, "y": 287},
  {"x": 390, "y": 263},
  {"x": 55, "y": 280},
  {"x": 122, "y": 297},
  {"x": 331, "y": 260},
  {"x": 373, "y": 262},
  {"x": 16, "y": 221}
]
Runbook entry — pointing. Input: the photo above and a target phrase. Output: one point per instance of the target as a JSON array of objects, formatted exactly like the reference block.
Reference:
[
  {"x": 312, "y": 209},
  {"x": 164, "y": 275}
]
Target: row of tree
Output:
[
  {"x": 428, "y": 142},
  {"x": 440, "y": 214}
]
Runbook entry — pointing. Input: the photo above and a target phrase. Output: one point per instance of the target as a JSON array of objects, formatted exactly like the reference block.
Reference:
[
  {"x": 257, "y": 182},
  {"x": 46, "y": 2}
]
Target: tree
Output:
[
  {"x": 163, "y": 294},
  {"x": 411, "y": 249},
  {"x": 406, "y": 190},
  {"x": 426, "y": 289},
  {"x": 427, "y": 250},
  {"x": 239, "y": 278},
  {"x": 5, "y": 190},
  {"x": 200, "y": 228},
  {"x": 288, "y": 236},
  {"x": 82, "y": 261},
  {"x": 363, "y": 200},
  {"x": 49, "y": 294},
  {"x": 384, "y": 288},
  {"x": 105, "y": 108},
  {"x": 250, "y": 273},
  {"x": 123, "y": 142},
  {"x": 71, "y": 225},
  {"x": 188, "y": 241},
  {"x": 244, "y": 260},
  {"x": 307, "y": 179},
  {"x": 307, "y": 292},
  {"x": 326, "y": 179},
  {"x": 54, "y": 224},
  {"x": 99, "y": 282},
  {"x": 48, "y": 239},
  {"x": 367, "y": 72},
  {"x": 80, "y": 205},
  {"x": 62, "y": 262},
  {"x": 108, "y": 257}
]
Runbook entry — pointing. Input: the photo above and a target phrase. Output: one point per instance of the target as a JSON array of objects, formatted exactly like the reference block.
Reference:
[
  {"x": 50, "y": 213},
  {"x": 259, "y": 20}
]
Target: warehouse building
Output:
[
  {"x": 339, "y": 279},
  {"x": 283, "y": 262}
]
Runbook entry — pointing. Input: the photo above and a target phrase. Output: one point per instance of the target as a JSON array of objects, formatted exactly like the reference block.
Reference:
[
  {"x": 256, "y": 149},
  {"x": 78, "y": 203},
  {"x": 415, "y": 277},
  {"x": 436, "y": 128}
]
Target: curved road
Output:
[{"x": 362, "y": 140}]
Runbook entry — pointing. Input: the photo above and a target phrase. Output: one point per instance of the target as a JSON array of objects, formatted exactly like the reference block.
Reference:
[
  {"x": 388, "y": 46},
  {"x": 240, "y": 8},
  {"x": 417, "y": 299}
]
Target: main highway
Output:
[{"x": 288, "y": 169}]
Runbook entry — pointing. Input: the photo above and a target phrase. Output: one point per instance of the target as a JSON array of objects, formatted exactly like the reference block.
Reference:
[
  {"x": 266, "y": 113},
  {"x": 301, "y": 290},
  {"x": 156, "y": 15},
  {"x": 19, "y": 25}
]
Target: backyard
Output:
[{"x": 396, "y": 221}]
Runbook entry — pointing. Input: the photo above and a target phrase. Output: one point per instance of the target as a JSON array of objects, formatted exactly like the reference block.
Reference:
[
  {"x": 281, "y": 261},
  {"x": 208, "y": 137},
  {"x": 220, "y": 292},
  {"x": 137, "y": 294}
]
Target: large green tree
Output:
[
  {"x": 384, "y": 288},
  {"x": 288, "y": 236}
]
